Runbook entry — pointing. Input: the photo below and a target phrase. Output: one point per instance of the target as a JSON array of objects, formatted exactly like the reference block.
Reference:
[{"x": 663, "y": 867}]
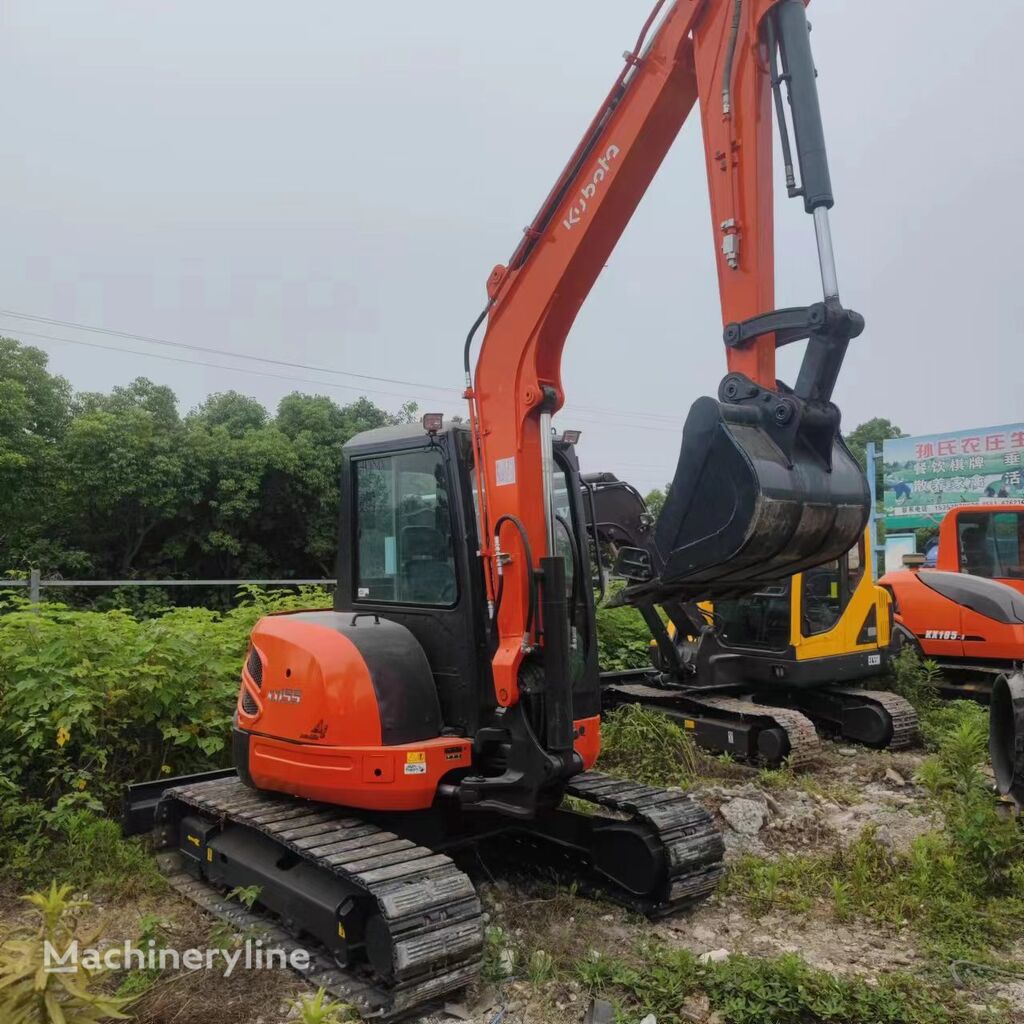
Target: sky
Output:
[{"x": 330, "y": 184}]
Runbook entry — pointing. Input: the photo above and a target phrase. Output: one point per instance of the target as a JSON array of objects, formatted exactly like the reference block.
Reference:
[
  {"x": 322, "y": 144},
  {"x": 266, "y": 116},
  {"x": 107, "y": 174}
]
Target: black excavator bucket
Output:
[{"x": 764, "y": 488}]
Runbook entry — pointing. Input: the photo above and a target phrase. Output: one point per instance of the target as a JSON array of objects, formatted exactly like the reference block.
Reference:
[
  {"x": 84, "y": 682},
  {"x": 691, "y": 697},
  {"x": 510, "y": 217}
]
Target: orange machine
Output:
[
  {"x": 452, "y": 695},
  {"x": 984, "y": 540},
  {"x": 972, "y": 626}
]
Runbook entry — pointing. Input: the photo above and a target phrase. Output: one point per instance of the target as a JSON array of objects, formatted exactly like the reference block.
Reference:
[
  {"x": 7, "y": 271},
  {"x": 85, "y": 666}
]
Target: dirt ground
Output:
[{"x": 813, "y": 811}]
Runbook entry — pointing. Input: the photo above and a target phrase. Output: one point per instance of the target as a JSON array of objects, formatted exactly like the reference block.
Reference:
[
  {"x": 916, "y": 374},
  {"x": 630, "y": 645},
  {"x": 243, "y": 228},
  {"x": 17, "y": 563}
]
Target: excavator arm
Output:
[{"x": 765, "y": 486}]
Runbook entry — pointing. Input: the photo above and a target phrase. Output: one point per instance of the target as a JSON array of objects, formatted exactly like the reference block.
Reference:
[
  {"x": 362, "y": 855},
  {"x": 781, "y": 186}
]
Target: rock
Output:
[
  {"x": 702, "y": 934},
  {"x": 649, "y": 1019},
  {"x": 507, "y": 962},
  {"x": 745, "y": 816},
  {"x": 696, "y": 1008},
  {"x": 894, "y": 777},
  {"x": 883, "y": 837},
  {"x": 458, "y": 1011},
  {"x": 847, "y": 751},
  {"x": 714, "y": 956},
  {"x": 600, "y": 1012}
]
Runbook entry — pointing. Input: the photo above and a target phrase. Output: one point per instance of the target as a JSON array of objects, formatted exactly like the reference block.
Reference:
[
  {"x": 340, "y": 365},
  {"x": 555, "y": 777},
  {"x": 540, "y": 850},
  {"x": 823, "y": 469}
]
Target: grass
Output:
[
  {"x": 961, "y": 889},
  {"x": 76, "y": 847},
  {"x": 647, "y": 746},
  {"x": 755, "y": 990}
]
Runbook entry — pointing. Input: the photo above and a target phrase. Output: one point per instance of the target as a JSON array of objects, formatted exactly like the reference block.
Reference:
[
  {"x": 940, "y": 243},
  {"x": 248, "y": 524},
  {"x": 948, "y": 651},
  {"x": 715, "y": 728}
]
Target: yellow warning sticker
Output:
[
  {"x": 416, "y": 757},
  {"x": 194, "y": 840},
  {"x": 341, "y": 930},
  {"x": 209, "y": 854},
  {"x": 689, "y": 723}
]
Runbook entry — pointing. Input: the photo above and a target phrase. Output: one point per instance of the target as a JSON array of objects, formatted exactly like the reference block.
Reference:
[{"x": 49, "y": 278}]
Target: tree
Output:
[
  {"x": 236, "y": 413},
  {"x": 655, "y": 500},
  {"x": 877, "y": 430},
  {"x": 127, "y": 476},
  {"x": 119, "y": 484},
  {"x": 35, "y": 408}
]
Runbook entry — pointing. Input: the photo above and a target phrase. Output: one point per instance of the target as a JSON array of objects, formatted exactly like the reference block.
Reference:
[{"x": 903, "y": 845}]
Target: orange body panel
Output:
[
  {"x": 947, "y": 630},
  {"x": 316, "y": 730},
  {"x": 400, "y": 778}
]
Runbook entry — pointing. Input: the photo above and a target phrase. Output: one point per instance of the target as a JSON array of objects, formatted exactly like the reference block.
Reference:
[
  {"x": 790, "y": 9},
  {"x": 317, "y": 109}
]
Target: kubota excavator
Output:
[
  {"x": 754, "y": 675},
  {"x": 452, "y": 695}
]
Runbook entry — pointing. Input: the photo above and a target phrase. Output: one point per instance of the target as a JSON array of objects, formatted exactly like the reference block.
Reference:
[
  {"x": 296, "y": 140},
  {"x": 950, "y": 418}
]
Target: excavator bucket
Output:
[{"x": 764, "y": 488}]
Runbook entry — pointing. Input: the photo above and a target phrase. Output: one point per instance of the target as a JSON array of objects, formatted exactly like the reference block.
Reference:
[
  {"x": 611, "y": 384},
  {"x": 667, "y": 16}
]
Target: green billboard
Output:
[{"x": 926, "y": 476}]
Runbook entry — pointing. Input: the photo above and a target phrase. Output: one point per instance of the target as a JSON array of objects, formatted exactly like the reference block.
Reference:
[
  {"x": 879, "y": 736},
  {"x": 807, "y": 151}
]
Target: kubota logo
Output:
[{"x": 589, "y": 190}]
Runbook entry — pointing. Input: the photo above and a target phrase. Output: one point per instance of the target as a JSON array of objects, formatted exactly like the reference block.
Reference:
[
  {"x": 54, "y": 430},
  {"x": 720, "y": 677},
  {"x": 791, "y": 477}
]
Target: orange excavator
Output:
[
  {"x": 967, "y": 613},
  {"x": 450, "y": 700}
]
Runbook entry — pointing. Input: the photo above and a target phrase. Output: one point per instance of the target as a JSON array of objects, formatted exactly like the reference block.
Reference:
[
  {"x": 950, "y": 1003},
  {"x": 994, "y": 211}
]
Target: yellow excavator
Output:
[{"x": 757, "y": 675}]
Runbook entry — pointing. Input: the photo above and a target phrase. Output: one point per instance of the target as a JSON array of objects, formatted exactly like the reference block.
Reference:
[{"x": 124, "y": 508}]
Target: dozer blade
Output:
[{"x": 764, "y": 488}]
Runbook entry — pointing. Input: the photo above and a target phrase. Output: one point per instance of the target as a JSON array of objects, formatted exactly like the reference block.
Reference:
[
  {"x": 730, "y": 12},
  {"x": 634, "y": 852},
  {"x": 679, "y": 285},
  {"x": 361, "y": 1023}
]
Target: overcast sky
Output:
[{"x": 330, "y": 183}]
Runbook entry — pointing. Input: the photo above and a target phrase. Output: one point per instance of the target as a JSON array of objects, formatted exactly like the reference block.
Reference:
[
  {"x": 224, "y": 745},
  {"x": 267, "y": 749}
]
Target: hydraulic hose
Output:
[
  {"x": 532, "y": 613},
  {"x": 730, "y": 56}
]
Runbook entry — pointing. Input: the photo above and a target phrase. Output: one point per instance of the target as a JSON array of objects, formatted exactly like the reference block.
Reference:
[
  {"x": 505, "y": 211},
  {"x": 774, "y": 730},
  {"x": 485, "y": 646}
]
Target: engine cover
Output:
[{"x": 342, "y": 708}]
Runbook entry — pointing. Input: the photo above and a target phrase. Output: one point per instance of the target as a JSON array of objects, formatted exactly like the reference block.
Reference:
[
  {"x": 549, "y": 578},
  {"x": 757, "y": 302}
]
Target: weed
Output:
[
  {"x": 499, "y": 955},
  {"x": 540, "y": 967},
  {"x": 31, "y": 995},
  {"x": 318, "y": 1009},
  {"x": 247, "y": 895},
  {"x": 647, "y": 746},
  {"x": 754, "y": 990},
  {"x": 77, "y": 847}
]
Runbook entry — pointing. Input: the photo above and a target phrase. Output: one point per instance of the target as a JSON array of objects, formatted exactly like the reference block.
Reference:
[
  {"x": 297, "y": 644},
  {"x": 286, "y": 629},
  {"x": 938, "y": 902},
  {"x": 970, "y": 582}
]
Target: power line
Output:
[
  {"x": 214, "y": 351},
  {"x": 289, "y": 364},
  {"x": 217, "y": 366},
  {"x": 288, "y": 377}
]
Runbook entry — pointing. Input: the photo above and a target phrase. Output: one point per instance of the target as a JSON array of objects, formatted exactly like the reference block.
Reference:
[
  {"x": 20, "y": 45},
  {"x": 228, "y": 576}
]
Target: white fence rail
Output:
[{"x": 36, "y": 584}]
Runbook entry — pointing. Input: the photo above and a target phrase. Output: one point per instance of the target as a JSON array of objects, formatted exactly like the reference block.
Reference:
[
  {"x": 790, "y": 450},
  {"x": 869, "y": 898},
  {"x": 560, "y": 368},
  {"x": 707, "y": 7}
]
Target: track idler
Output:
[{"x": 1006, "y": 735}]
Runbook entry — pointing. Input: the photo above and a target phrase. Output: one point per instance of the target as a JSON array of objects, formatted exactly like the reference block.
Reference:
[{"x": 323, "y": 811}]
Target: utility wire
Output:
[
  {"x": 360, "y": 389},
  {"x": 570, "y": 408}
]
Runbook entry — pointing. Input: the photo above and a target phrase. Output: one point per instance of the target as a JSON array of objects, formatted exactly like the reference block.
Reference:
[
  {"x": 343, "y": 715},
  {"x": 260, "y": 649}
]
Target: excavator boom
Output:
[{"x": 764, "y": 485}]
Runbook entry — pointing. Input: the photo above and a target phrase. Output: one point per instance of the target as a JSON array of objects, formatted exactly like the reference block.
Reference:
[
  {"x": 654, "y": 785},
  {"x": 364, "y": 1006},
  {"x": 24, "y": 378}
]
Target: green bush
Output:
[
  {"x": 623, "y": 639},
  {"x": 90, "y": 701}
]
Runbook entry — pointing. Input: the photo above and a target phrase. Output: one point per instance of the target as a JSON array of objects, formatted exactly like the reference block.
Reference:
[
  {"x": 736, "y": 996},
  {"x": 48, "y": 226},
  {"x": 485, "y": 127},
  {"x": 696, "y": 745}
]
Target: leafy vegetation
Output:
[
  {"x": 122, "y": 485},
  {"x": 31, "y": 995},
  {"x": 318, "y": 1009},
  {"x": 647, "y": 746},
  {"x": 755, "y": 990},
  {"x": 623, "y": 639},
  {"x": 92, "y": 700}
]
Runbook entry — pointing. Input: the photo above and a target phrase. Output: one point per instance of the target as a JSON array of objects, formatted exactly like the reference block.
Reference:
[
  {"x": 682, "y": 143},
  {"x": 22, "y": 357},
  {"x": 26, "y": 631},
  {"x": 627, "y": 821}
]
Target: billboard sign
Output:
[{"x": 926, "y": 476}]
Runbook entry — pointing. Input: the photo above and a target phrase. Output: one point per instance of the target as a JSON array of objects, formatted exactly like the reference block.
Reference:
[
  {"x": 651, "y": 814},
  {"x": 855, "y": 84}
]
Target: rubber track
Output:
[
  {"x": 904, "y": 718},
  {"x": 692, "y": 842},
  {"x": 429, "y": 905},
  {"x": 804, "y": 744}
]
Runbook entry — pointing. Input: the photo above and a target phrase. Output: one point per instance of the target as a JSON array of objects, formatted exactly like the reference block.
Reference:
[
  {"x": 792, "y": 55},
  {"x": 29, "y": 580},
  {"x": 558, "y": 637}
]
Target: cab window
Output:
[
  {"x": 990, "y": 544},
  {"x": 758, "y": 620},
  {"x": 403, "y": 521}
]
